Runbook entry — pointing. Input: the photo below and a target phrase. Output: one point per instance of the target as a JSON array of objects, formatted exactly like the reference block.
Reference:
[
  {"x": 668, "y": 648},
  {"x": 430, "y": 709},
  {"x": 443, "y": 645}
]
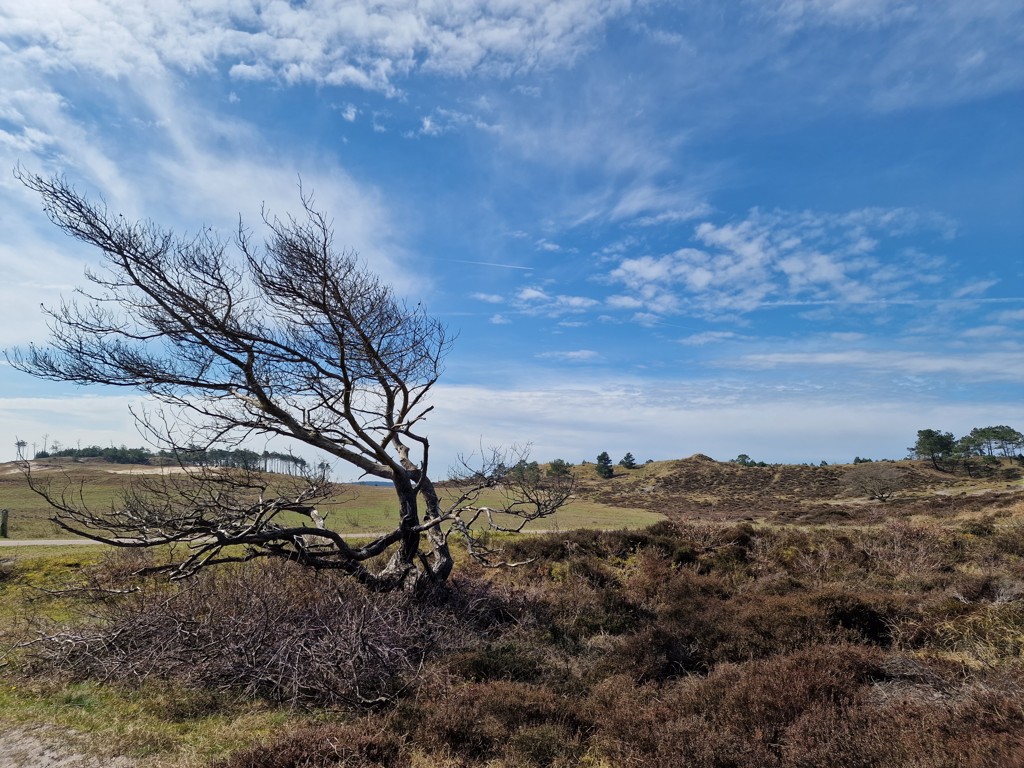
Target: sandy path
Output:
[
  {"x": 44, "y": 748},
  {"x": 43, "y": 542}
]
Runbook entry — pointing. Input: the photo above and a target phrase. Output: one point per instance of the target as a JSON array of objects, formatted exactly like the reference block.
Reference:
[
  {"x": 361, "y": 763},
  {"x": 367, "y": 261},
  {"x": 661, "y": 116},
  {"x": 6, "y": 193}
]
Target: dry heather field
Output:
[{"x": 764, "y": 618}]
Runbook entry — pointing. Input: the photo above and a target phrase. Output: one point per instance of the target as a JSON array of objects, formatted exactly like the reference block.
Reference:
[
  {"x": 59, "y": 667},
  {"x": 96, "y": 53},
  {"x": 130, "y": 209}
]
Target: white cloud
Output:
[
  {"x": 576, "y": 302},
  {"x": 160, "y": 155},
  {"x": 850, "y": 336},
  {"x": 674, "y": 420},
  {"x": 428, "y": 127},
  {"x": 771, "y": 258},
  {"x": 327, "y": 41},
  {"x": 986, "y": 332},
  {"x": 576, "y": 422},
  {"x": 1010, "y": 316},
  {"x": 974, "y": 288},
  {"x": 490, "y": 298},
  {"x": 976, "y": 367},
  {"x": 675, "y": 216},
  {"x": 708, "y": 337},
  {"x": 650, "y": 204},
  {"x": 499, "y": 320},
  {"x": 534, "y": 301},
  {"x": 940, "y": 52},
  {"x": 442, "y": 121},
  {"x": 532, "y": 294},
  {"x": 574, "y": 356},
  {"x": 250, "y": 72},
  {"x": 91, "y": 420}
]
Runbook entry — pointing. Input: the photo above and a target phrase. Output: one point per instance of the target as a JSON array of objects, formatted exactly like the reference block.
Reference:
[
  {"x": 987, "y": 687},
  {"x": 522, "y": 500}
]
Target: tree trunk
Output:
[{"x": 402, "y": 572}]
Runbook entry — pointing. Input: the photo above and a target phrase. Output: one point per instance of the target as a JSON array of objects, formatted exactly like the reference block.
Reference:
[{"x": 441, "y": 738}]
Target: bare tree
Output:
[
  {"x": 294, "y": 339},
  {"x": 876, "y": 480}
]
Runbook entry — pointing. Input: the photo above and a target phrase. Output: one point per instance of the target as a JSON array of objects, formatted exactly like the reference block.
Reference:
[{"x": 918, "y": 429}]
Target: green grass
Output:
[
  {"x": 361, "y": 508},
  {"x": 29, "y": 512},
  {"x": 155, "y": 724},
  {"x": 372, "y": 509}
]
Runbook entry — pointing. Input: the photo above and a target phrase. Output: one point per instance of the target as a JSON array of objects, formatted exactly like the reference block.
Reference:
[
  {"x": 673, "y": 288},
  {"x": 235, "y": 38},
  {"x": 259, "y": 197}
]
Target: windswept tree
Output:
[
  {"x": 876, "y": 480},
  {"x": 934, "y": 445},
  {"x": 293, "y": 339},
  {"x": 603, "y": 467}
]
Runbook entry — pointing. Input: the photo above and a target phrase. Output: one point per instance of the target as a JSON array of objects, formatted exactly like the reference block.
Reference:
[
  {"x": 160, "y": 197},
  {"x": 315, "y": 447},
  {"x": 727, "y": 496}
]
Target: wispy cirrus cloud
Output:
[
  {"x": 441, "y": 121},
  {"x": 535, "y": 301},
  {"x": 571, "y": 356},
  {"x": 980, "y": 366},
  {"x": 194, "y": 168},
  {"x": 709, "y": 337},
  {"x": 1010, "y": 316},
  {"x": 919, "y": 53}
]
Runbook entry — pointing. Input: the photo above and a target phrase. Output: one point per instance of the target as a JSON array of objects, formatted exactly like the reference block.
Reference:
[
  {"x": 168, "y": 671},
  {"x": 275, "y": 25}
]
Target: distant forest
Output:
[{"x": 268, "y": 461}]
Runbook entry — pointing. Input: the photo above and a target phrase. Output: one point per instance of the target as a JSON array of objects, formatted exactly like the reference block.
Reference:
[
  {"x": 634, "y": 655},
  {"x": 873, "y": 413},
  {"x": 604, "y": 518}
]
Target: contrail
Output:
[{"x": 485, "y": 264}]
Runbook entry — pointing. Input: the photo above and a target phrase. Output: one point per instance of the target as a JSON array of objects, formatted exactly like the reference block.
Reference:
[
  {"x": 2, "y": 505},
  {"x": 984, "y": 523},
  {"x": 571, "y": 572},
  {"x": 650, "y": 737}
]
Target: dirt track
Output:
[{"x": 43, "y": 542}]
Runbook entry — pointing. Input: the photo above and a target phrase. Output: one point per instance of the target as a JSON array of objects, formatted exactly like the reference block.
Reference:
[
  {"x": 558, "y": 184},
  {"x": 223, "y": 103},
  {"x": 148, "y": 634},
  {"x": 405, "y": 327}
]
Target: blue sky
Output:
[{"x": 787, "y": 228}]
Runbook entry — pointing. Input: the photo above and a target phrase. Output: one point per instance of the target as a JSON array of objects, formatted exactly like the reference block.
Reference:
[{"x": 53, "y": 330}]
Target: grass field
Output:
[{"x": 364, "y": 509}]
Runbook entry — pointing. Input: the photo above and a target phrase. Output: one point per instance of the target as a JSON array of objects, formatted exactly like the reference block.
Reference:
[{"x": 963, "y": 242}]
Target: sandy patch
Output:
[
  {"x": 46, "y": 748},
  {"x": 148, "y": 471}
]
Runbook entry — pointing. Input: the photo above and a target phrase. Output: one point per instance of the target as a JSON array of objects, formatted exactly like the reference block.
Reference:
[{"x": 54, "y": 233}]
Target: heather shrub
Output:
[
  {"x": 509, "y": 659},
  {"x": 865, "y": 617},
  {"x": 656, "y": 653},
  {"x": 755, "y": 648},
  {"x": 583, "y": 602},
  {"x": 482, "y": 721},
  {"x": 1009, "y": 540},
  {"x": 737, "y": 716},
  {"x": 324, "y": 746}
]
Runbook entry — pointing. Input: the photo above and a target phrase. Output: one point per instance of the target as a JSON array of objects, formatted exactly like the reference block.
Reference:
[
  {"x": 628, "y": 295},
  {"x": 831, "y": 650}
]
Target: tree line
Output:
[
  {"x": 980, "y": 446},
  {"x": 239, "y": 458}
]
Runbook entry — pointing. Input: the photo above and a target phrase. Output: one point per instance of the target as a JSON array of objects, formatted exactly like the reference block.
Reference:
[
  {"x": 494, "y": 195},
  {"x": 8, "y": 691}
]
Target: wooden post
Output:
[{"x": 3, "y": 523}]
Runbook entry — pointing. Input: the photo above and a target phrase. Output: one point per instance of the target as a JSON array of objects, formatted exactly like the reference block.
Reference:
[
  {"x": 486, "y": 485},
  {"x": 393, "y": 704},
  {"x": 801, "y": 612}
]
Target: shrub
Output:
[
  {"x": 482, "y": 721},
  {"x": 325, "y": 746},
  {"x": 737, "y": 716},
  {"x": 269, "y": 631},
  {"x": 984, "y": 526},
  {"x": 1010, "y": 541},
  {"x": 506, "y": 660}
]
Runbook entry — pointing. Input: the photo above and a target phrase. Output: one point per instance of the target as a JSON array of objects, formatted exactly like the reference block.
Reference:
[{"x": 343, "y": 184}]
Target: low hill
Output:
[{"x": 700, "y": 487}]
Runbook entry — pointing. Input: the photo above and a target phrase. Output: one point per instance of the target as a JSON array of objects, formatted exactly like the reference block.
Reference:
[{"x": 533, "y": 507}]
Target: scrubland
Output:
[{"x": 843, "y": 634}]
